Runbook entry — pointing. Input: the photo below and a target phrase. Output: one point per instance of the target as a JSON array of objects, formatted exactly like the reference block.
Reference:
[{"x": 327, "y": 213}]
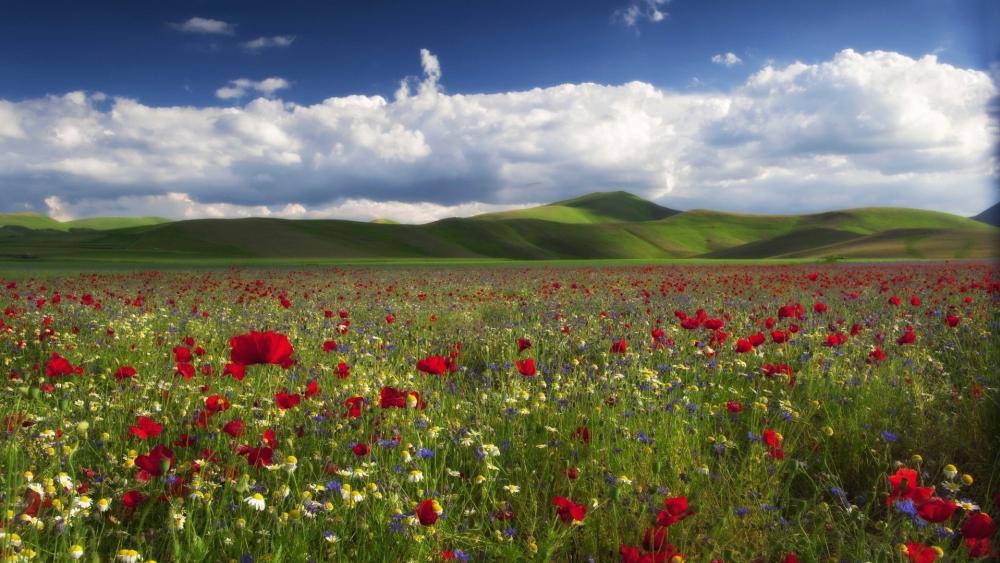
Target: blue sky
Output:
[
  {"x": 342, "y": 48},
  {"x": 140, "y": 59}
]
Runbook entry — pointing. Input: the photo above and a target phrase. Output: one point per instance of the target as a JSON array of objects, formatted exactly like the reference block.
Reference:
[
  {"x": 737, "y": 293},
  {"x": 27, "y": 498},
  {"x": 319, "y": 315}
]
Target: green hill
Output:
[
  {"x": 31, "y": 220},
  {"x": 595, "y": 226},
  {"x": 597, "y": 207}
]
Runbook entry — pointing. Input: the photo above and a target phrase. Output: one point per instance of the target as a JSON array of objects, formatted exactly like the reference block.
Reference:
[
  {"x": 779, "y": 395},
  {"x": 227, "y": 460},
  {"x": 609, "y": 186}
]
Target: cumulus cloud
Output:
[
  {"x": 240, "y": 87},
  {"x": 205, "y": 26},
  {"x": 184, "y": 206},
  {"x": 268, "y": 42},
  {"x": 727, "y": 59},
  {"x": 860, "y": 129},
  {"x": 637, "y": 11}
]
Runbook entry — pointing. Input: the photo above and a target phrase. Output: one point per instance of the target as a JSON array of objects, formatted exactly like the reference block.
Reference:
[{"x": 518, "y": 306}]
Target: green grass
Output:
[{"x": 597, "y": 207}]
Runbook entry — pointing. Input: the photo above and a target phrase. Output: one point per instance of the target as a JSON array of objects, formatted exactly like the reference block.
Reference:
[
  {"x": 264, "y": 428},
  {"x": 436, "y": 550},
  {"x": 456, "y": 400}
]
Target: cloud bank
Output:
[{"x": 876, "y": 128}]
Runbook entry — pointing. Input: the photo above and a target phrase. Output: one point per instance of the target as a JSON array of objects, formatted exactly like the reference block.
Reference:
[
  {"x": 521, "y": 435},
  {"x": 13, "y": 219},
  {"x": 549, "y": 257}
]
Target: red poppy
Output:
[
  {"x": 427, "y": 512},
  {"x": 876, "y": 355},
  {"x": 743, "y": 345},
  {"x": 952, "y": 320},
  {"x": 937, "y": 510},
  {"x": 257, "y": 457},
  {"x": 779, "y": 337},
  {"x": 133, "y": 499},
  {"x": 435, "y": 365},
  {"x": 125, "y": 372},
  {"x": 182, "y": 354},
  {"x": 390, "y": 397},
  {"x": 312, "y": 389},
  {"x": 619, "y": 347},
  {"x": 216, "y": 403},
  {"x": 979, "y": 547},
  {"x": 157, "y": 461},
  {"x": 286, "y": 400},
  {"x": 582, "y": 433},
  {"x": 185, "y": 370},
  {"x": 236, "y": 371},
  {"x": 60, "y": 366},
  {"x": 979, "y": 525},
  {"x": 819, "y": 307},
  {"x": 756, "y": 339},
  {"x": 523, "y": 344},
  {"x": 734, "y": 406},
  {"x": 569, "y": 511},
  {"x": 261, "y": 348},
  {"x": 330, "y": 346},
  {"x": 234, "y": 428},
  {"x": 905, "y": 486},
  {"x": 526, "y": 367},
  {"x": 674, "y": 510},
  {"x": 146, "y": 428},
  {"x": 354, "y": 406},
  {"x": 343, "y": 370},
  {"x": 908, "y": 336},
  {"x": 919, "y": 553}
]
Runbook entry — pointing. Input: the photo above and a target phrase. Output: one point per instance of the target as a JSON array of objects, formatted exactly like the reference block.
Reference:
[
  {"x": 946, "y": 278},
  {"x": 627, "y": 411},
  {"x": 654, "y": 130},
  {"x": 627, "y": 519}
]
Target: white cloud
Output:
[
  {"x": 242, "y": 86},
  {"x": 860, "y": 129},
  {"x": 637, "y": 11},
  {"x": 269, "y": 42},
  {"x": 179, "y": 205},
  {"x": 727, "y": 59},
  {"x": 205, "y": 26}
]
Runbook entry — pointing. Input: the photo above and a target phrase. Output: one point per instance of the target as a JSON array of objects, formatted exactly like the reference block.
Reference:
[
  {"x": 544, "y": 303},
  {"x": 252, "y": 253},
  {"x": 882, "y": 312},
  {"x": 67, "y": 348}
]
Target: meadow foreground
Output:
[{"x": 639, "y": 414}]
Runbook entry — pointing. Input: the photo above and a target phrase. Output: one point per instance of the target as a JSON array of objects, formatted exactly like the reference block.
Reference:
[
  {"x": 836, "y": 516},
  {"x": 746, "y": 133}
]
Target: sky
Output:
[{"x": 416, "y": 111}]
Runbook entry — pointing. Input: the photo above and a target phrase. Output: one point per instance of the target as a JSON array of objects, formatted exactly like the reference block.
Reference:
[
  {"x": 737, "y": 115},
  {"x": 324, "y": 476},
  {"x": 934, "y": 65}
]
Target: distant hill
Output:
[
  {"x": 30, "y": 220},
  {"x": 600, "y": 225},
  {"x": 990, "y": 216},
  {"x": 597, "y": 207}
]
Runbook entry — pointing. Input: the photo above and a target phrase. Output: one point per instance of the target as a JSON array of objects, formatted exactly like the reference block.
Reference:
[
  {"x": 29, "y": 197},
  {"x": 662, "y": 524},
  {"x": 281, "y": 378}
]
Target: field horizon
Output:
[{"x": 599, "y": 225}]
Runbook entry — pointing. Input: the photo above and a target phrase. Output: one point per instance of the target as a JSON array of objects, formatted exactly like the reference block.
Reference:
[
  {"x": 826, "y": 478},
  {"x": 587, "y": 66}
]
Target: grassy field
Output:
[{"x": 433, "y": 411}]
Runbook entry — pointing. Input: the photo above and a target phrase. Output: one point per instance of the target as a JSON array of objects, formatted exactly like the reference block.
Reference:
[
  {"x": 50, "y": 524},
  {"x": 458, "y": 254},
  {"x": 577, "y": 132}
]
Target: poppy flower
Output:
[
  {"x": 979, "y": 525},
  {"x": 674, "y": 510},
  {"x": 361, "y": 449},
  {"x": 434, "y": 365},
  {"x": 952, "y": 320},
  {"x": 125, "y": 372},
  {"x": 216, "y": 403},
  {"x": 133, "y": 499},
  {"x": 60, "y": 366},
  {"x": 182, "y": 354},
  {"x": 261, "y": 348},
  {"x": 908, "y": 336},
  {"x": 390, "y": 397},
  {"x": 936, "y": 509},
  {"x": 526, "y": 367},
  {"x": 905, "y": 485},
  {"x": 655, "y": 539},
  {"x": 734, "y": 406},
  {"x": 979, "y": 547},
  {"x": 428, "y": 512},
  {"x": 312, "y": 389},
  {"x": 354, "y": 406},
  {"x": 343, "y": 370},
  {"x": 919, "y": 553},
  {"x": 743, "y": 345},
  {"x": 876, "y": 355},
  {"x": 236, "y": 371},
  {"x": 257, "y": 457},
  {"x": 185, "y": 370},
  {"x": 234, "y": 428},
  {"x": 285, "y": 400},
  {"x": 330, "y": 346},
  {"x": 145, "y": 428},
  {"x": 779, "y": 337},
  {"x": 619, "y": 347},
  {"x": 582, "y": 433},
  {"x": 569, "y": 512},
  {"x": 523, "y": 344},
  {"x": 157, "y": 461}
]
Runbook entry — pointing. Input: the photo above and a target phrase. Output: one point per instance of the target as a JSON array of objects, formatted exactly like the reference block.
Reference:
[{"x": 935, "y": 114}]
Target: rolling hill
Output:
[
  {"x": 600, "y": 225},
  {"x": 36, "y": 221}
]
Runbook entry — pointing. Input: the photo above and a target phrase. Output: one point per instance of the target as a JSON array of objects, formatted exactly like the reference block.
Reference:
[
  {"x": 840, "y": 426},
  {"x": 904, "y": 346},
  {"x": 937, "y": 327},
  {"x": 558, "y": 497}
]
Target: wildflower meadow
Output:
[{"x": 635, "y": 413}]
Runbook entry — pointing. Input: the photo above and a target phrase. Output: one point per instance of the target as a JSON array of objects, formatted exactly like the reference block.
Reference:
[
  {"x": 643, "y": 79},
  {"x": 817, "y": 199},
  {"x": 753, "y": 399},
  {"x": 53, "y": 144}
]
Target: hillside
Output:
[
  {"x": 597, "y": 207},
  {"x": 30, "y": 220},
  {"x": 594, "y": 226}
]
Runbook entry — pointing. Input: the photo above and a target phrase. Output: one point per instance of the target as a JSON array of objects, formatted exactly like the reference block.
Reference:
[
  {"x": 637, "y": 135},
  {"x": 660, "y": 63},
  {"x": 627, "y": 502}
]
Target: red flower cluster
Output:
[{"x": 569, "y": 512}]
